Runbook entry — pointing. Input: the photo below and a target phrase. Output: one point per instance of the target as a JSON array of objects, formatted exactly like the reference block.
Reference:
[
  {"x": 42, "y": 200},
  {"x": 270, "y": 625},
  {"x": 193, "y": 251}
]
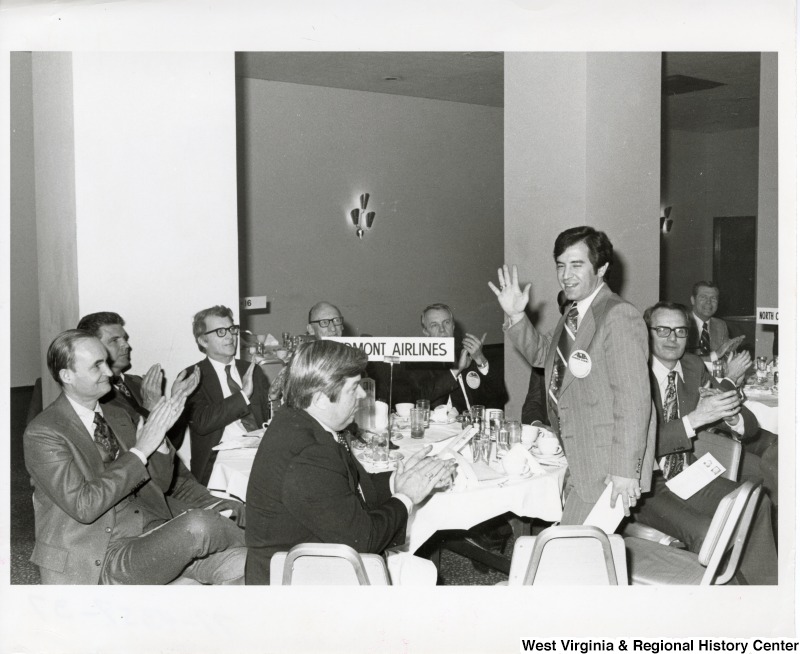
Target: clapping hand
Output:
[
  {"x": 738, "y": 365},
  {"x": 714, "y": 405},
  {"x": 185, "y": 383},
  {"x": 511, "y": 297},
  {"x": 152, "y": 386},
  {"x": 417, "y": 477},
  {"x": 247, "y": 380},
  {"x": 150, "y": 433}
]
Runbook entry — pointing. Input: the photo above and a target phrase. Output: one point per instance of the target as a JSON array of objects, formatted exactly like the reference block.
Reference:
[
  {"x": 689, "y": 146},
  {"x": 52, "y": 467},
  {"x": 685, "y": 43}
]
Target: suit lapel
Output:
[
  {"x": 210, "y": 381},
  {"x": 77, "y": 434},
  {"x": 551, "y": 352},
  {"x": 586, "y": 331}
]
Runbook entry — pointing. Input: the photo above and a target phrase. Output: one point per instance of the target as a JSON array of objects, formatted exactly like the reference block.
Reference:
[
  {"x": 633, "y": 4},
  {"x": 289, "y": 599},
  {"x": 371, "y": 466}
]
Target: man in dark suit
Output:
[
  {"x": 233, "y": 396},
  {"x": 688, "y": 399},
  {"x": 108, "y": 507},
  {"x": 708, "y": 336},
  {"x": 595, "y": 373},
  {"x": 468, "y": 381},
  {"x": 305, "y": 486}
]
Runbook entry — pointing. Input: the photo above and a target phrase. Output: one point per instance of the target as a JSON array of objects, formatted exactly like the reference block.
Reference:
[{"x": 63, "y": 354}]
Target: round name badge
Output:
[
  {"x": 473, "y": 379},
  {"x": 580, "y": 363}
]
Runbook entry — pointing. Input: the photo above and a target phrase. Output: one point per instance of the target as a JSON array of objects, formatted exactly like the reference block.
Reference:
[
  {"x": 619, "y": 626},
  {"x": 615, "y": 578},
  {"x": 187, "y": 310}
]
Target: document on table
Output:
[
  {"x": 603, "y": 516},
  {"x": 701, "y": 473}
]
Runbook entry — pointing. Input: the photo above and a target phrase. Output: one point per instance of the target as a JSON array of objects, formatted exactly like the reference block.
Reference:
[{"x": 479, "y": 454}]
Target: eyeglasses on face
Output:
[
  {"x": 221, "y": 331},
  {"x": 664, "y": 332},
  {"x": 337, "y": 322}
]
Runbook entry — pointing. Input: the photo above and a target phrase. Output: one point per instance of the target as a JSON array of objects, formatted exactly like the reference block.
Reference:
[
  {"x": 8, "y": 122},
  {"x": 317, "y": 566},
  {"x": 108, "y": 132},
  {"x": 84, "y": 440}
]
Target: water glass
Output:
[
  {"x": 514, "y": 428},
  {"x": 503, "y": 443},
  {"x": 425, "y": 405},
  {"x": 417, "y": 420},
  {"x": 380, "y": 448},
  {"x": 478, "y": 413},
  {"x": 761, "y": 368},
  {"x": 481, "y": 448}
]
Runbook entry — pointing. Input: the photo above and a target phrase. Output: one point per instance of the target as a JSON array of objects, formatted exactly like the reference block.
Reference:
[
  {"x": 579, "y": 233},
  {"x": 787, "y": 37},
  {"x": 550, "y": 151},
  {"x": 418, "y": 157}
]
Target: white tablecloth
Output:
[
  {"x": 766, "y": 412},
  {"x": 534, "y": 497}
]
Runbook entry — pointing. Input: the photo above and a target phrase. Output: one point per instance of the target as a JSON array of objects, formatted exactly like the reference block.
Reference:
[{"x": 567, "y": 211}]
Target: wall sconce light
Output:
[
  {"x": 357, "y": 214},
  {"x": 666, "y": 221}
]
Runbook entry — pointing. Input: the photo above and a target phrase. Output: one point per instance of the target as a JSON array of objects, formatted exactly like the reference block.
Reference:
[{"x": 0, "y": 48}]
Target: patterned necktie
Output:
[
  {"x": 705, "y": 340},
  {"x": 120, "y": 386},
  {"x": 248, "y": 421},
  {"x": 676, "y": 462},
  {"x": 563, "y": 350},
  {"x": 107, "y": 443}
]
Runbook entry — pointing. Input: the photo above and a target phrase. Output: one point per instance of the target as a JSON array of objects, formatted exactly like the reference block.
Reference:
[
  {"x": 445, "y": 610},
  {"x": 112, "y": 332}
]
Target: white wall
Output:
[
  {"x": 434, "y": 170},
  {"x": 582, "y": 146},
  {"x": 25, "y": 355},
  {"x": 140, "y": 215}
]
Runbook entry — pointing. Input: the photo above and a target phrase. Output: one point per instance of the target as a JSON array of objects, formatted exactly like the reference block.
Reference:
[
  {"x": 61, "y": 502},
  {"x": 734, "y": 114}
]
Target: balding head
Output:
[{"x": 328, "y": 314}]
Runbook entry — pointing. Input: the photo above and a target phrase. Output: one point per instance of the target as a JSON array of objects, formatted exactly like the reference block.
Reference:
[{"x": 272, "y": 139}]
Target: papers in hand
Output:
[
  {"x": 603, "y": 516},
  {"x": 238, "y": 444},
  {"x": 701, "y": 473}
]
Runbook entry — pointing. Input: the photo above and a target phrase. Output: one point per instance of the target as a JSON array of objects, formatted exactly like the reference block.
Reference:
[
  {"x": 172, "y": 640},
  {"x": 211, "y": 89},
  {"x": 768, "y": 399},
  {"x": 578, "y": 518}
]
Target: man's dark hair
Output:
[
  {"x": 199, "y": 321},
  {"x": 92, "y": 322},
  {"x": 61, "y": 353},
  {"x": 320, "y": 366},
  {"x": 698, "y": 285},
  {"x": 600, "y": 248},
  {"x": 668, "y": 306}
]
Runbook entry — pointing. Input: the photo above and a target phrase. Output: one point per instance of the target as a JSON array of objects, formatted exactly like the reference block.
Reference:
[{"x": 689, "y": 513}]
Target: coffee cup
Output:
[
  {"x": 404, "y": 409},
  {"x": 529, "y": 435},
  {"x": 548, "y": 444}
]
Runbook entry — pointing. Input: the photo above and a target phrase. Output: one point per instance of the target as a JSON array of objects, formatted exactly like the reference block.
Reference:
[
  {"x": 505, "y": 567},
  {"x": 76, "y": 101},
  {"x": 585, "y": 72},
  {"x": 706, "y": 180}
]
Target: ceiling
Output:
[
  {"x": 477, "y": 78},
  {"x": 471, "y": 77}
]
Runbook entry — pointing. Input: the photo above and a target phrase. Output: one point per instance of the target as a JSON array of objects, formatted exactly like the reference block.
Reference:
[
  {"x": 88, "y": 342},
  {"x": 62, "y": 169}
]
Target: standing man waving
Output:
[{"x": 596, "y": 373}]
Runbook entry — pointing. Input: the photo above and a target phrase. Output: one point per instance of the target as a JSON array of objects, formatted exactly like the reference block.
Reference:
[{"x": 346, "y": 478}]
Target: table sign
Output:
[
  {"x": 253, "y": 302},
  {"x": 767, "y": 316},
  {"x": 411, "y": 348}
]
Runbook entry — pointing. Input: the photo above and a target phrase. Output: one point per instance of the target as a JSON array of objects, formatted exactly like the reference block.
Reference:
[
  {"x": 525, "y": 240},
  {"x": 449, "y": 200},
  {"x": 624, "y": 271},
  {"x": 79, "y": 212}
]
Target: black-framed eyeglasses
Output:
[
  {"x": 337, "y": 322},
  {"x": 664, "y": 332},
  {"x": 221, "y": 331}
]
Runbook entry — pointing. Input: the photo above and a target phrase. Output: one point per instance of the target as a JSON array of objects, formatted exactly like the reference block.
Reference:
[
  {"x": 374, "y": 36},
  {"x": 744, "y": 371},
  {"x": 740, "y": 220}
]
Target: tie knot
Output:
[
  {"x": 98, "y": 419},
  {"x": 228, "y": 369},
  {"x": 672, "y": 374}
]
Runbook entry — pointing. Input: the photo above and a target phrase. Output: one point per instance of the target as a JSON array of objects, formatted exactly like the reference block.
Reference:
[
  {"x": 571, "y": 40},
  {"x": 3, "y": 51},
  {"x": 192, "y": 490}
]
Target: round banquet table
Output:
[{"x": 537, "y": 496}]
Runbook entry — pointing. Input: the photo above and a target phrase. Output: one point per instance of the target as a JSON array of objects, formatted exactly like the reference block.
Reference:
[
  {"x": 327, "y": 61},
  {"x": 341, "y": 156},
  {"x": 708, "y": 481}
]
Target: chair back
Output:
[
  {"x": 723, "y": 448},
  {"x": 569, "y": 555},
  {"x": 728, "y": 531},
  {"x": 327, "y": 564}
]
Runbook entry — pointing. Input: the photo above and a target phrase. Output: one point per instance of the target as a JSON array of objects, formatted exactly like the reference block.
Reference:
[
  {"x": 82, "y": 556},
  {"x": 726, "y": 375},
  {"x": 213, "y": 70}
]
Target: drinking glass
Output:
[
  {"x": 481, "y": 448},
  {"x": 477, "y": 412},
  {"x": 417, "y": 420},
  {"x": 425, "y": 405},
  {"x": 494, "y": 420},
  {"x": 380, "y": 448},
  {"x": 514, "y": 428},
  {"x": 503, "y": 443},
  {"x": 761, "y": 368}
]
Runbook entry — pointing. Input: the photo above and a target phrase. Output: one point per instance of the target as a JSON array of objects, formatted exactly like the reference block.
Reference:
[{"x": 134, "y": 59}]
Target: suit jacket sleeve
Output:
[
  {"x": 531, "y": 343},
  {"x": 50, "y": 459},
  {"x": 535, "y": 405},
  {"x": 319, "y": 496},
  {"x": 626, "y": 355}
]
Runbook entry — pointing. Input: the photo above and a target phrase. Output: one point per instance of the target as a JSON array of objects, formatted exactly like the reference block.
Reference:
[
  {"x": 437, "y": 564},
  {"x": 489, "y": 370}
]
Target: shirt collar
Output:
[
  {"x": 84, "y": 413},
  {"x": 584, "y": 304},
  {"x": 662, "y": 372},
  {"x": 219, "y": 366},
  {"x": 699, "y": 321},
  {"x": 326, "y": 428}
]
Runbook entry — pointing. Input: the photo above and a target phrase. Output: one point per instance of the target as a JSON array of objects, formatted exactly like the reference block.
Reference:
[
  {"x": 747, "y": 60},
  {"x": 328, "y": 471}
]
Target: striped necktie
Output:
[
  {"x": 119, "y": 385},
  {"x": 705, "y": 340},
  {"x": 563, "y": 350},
  {"x": 674, "y": 463}
]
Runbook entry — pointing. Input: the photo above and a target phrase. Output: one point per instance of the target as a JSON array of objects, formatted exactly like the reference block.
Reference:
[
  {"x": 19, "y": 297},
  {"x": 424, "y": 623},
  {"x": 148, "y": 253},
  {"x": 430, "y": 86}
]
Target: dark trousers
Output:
[
  {"x": 199, "y": 545},
  {"x": 689, "y": 520}
]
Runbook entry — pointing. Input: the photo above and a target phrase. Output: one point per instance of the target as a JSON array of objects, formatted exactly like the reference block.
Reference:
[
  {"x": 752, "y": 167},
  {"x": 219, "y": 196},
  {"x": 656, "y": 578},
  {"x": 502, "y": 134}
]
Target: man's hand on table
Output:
[
  {"x": 419, "y": 475},
  {"x": 627, "y": 489}
]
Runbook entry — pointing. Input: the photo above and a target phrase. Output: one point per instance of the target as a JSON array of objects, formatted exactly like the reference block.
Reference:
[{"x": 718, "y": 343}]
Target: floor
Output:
[{"x": 455, "y": 570}]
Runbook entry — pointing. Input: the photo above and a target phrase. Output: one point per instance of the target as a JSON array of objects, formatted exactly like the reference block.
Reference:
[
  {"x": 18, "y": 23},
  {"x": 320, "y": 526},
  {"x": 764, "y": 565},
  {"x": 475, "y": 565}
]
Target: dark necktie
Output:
[
  {"x": 120, "y": 386},
  {"x": 676, "y": 462},
  {"x": 705, "y": 340},
  {"x": 563, "y": 350},
  {"x": 248, "y": 421},
  {"x": 104, "y": 438},
  {"x": 346, "y": 454}
]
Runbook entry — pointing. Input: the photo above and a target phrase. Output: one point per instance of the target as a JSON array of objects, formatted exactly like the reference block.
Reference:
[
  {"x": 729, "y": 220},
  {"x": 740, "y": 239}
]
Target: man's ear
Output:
[
  {"x": 309, "y": 330},
  {"x": 65, "y": 374},
  {"x": 602, "y": 270},
  {"x": 202, "y": 341},
  {"x": 320, "y": 401}
]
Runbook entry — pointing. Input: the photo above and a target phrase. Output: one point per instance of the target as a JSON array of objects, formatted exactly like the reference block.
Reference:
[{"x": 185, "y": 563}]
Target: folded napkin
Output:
[{"x": 442, "y": 415}]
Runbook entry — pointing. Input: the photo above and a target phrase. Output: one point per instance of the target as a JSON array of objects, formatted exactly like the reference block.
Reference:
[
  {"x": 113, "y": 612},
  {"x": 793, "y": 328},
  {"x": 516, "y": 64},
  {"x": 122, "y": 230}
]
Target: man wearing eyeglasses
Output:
[
  {"x": 687, "y": 400},
  {"x": 324, "y": 319},
  {"x": 232, "y": 397}
]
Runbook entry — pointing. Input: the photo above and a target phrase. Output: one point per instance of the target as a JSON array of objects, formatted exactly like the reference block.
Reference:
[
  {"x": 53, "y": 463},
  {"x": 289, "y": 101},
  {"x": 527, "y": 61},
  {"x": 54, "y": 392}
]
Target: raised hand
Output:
[
  {"x": 152, "y": 385},
  {"x": 150, "y": 434},
  {"x": 511, "y": 297},
  {"x": 729, "y": 345},
  {"x": 185, "y": 383},
  {"x": 738, "y": 365},
  {"x": 474, "y": 346},
  {"x": 714, "y": 406},
  {"x": 247, "y": 380}
]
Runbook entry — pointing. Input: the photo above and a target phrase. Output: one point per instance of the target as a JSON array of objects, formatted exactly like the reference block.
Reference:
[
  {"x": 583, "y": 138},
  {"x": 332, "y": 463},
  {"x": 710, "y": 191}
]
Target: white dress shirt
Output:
[
  {"x": 584, "y": 304},
  {"x": 700, "y": 322}
]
